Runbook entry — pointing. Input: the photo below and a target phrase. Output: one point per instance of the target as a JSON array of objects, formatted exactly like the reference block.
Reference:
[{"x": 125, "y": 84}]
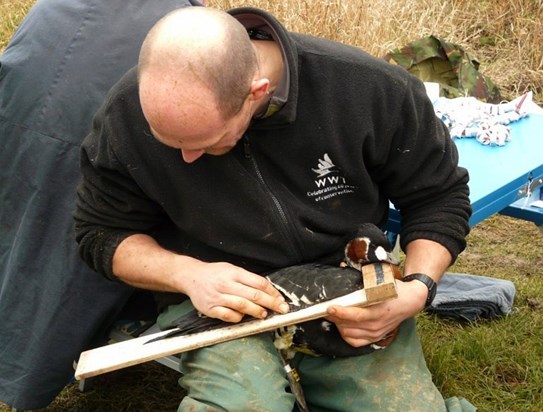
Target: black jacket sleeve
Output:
[
  {"x": 423, "y": 179},
  {"x": 110, "y": 206}
]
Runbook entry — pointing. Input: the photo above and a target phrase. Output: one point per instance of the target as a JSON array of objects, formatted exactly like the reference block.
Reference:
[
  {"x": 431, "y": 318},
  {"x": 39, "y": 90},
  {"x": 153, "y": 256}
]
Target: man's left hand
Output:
[{"x": 363, "y": 326}]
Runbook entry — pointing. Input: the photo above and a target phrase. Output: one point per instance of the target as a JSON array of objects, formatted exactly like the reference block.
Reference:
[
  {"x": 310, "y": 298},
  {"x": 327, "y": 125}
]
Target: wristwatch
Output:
[{"x": 428, "y": 281}]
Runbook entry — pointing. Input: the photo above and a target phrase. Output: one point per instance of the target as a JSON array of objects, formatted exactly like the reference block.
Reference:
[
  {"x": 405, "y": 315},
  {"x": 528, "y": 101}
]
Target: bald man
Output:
[{"x": 236, "y": 148}]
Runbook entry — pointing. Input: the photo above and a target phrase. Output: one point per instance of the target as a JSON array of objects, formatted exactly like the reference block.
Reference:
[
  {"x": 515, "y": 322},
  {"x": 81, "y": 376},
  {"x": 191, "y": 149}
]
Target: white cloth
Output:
[{"x": 470, "y": 117}]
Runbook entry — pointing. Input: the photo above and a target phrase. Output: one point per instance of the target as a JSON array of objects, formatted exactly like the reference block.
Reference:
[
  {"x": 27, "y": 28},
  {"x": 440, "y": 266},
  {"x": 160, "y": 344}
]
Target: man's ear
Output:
[{"x": 259, "y": 89}]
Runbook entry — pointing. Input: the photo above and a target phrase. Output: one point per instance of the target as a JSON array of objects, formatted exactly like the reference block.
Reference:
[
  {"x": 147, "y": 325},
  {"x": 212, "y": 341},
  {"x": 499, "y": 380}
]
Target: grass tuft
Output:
[{"x": 12, "y": 13}]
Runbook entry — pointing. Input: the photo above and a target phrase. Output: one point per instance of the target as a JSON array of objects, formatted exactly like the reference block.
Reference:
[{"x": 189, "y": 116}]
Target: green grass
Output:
[{"x": 498, "y": 365}]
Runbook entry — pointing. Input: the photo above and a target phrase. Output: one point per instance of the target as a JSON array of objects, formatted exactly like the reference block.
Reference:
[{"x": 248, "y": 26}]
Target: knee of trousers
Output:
[
  {"x": 238, "y": 402},
  {"x": 241, "y": 375}
]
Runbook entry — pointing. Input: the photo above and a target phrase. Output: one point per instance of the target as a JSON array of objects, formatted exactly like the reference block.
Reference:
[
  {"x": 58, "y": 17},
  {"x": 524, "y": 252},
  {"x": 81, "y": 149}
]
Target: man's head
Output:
[{"x": 199, "y": 81}]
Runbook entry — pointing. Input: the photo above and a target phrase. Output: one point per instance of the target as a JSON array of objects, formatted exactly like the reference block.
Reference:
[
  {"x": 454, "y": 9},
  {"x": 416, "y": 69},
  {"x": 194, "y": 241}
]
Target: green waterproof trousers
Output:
[{"x": 247, "y": 375}]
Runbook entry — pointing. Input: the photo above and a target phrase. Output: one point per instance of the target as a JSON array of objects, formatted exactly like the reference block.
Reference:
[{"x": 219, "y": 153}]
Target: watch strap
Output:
[{"x": 428, "y": 281}]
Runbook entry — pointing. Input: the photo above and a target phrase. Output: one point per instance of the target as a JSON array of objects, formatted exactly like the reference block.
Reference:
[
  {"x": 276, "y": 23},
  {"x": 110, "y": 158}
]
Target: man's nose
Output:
[{"x": 190, "y": 156}]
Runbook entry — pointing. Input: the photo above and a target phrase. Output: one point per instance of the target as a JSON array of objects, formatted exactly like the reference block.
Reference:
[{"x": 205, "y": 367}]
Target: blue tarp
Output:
[{"x": 54, "y": 75}]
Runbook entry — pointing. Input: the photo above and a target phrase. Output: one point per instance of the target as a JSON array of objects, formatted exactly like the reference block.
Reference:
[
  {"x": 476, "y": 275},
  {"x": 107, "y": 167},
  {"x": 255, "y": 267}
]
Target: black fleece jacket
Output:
[{"x": 355, "y": 133}]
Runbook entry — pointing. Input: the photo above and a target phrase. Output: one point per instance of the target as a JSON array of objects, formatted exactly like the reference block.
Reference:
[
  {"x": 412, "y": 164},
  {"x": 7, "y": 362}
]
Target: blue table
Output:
[{"x": 502, "y": 177}]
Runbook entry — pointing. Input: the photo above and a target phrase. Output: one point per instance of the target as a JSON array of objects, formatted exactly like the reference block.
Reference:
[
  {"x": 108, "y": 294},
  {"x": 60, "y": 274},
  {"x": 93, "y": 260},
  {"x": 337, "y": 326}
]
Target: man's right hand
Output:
[
  {"x": 227, "y": 292},
  {"x": 219, "y": 290}
]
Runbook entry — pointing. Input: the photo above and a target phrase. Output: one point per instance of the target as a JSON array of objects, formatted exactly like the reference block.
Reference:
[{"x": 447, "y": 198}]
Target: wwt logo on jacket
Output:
[{"x": 330, "y": 182}]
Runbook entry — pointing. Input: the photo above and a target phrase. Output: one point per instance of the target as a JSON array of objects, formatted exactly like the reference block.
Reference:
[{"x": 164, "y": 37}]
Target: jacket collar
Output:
[{"x": 255, "y": 19}]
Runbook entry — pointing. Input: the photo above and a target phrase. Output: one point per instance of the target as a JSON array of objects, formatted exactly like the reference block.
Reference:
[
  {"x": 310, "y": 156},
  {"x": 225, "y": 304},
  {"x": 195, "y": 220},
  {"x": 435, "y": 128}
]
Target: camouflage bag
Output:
[{"x": 433, "y": 59}]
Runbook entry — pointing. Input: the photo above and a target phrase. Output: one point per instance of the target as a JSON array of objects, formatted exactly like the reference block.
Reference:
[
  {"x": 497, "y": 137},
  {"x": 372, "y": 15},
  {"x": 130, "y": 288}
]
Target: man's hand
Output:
[
  {"x": 363, "y": 326},
  {"x": 219, "y": 290},
  {"x": 227, "y": 292}
]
